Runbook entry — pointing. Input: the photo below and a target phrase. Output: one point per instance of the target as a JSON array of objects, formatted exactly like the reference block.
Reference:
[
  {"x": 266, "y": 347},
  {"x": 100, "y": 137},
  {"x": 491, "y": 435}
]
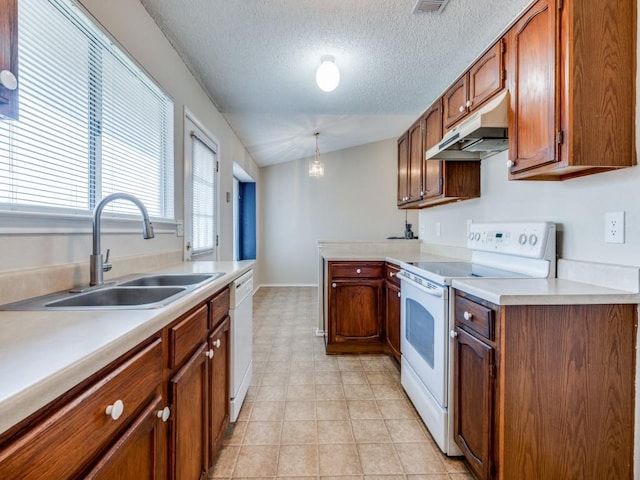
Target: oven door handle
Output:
[{"x": 438, "y": 292}]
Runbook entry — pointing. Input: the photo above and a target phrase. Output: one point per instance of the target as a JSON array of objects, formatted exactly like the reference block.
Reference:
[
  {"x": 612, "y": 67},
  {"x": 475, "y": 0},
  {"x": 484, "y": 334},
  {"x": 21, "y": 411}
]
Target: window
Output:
[
  {"x": 91, "y": 121},
  {"x": 201, "y": 192}
]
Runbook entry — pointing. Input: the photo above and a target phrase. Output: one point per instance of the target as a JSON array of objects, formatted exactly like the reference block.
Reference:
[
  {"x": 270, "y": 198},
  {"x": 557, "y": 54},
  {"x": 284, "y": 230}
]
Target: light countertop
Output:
[
  {"x": 45, "y": 353},
  {"x": 542, "y": 291}
]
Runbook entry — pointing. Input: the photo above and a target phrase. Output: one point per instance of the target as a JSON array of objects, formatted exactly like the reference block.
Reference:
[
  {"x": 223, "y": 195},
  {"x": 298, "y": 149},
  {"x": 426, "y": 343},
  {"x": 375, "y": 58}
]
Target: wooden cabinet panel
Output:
[
  {"x": 473, "y": 402},
  {"x": 188, "y": 438},
  {"x": 403, "y": 169},
  {"x": 486, "y": 76},
  {"x": 534, "y": 118},
  {"x": 454, "y": 102},
  {"x": 391, "y": 274},
  {"x": 81, "y": 427},
  {"x": 432, "y": 169},
  {"x": 358, "y": 310},
  {"x": 416, "y": 154},
  {"x": 392, "y": 319},
  {"x": 137, "y": 454},
  {"x": 476, "y": 317},
  {"x": 356, "y": 269},
  {"x": 186, "y": 334},
  {"x": 9, "y": 55},
  {"x": 218, "y": 387},
  {"x": 219, "y": 307}
]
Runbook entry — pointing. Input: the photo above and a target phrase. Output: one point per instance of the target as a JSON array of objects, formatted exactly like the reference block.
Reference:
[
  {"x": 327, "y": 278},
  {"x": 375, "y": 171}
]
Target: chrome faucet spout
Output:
[{"x": 97, "y": 266}]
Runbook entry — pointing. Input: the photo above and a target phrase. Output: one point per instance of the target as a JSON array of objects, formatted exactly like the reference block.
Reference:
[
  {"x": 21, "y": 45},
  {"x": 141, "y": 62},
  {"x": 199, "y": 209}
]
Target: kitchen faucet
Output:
[{"x": 96, "y": 266}]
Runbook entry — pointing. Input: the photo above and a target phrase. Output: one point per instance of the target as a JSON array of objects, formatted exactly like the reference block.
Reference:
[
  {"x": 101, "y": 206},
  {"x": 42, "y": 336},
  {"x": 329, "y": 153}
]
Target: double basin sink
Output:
[{"x": 141, "y": 292}]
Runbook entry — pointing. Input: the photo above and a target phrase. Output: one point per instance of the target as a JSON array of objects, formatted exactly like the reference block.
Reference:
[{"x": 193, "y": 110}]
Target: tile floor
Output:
[{"x": 316, "y": 416}]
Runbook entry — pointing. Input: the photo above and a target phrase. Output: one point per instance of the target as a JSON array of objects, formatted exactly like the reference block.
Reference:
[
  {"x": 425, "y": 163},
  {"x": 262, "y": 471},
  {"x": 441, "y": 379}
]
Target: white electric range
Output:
[{"x": 499, "y": 250}]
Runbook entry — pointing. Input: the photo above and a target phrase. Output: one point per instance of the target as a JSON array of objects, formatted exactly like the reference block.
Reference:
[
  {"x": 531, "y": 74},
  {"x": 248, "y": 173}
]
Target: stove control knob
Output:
[
  {"x": 522, "y": 239},
  {"x": 533, "y": 239}
]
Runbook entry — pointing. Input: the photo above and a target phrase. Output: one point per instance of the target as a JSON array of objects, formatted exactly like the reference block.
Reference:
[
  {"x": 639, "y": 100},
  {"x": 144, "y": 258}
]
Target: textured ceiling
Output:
[{"x": 257, "y": 59}]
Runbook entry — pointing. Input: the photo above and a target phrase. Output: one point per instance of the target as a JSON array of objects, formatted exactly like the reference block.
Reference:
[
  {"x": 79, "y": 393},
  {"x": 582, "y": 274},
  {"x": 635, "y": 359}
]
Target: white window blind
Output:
[
  {"x": 203, "y": 181},
  {"x": 91, "y": 122}
]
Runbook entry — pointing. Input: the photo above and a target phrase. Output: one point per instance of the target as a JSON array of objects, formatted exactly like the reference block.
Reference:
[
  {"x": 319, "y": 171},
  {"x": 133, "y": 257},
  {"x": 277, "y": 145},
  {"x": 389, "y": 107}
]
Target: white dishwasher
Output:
[{"x": 241, "y": 314}]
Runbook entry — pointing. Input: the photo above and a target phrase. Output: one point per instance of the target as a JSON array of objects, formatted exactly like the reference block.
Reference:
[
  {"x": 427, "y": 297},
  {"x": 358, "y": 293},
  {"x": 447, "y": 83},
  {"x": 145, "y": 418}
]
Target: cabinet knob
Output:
[
  {"x": 8, "y": 80},
  {"x": 468, "y": 315},
  {"x": 510, "y": 163},
  {"x": 217, "y": 343},
  {"x": 462, "y": 109},
  {"x": 358, "y": 270},
  {"x": 333, "y": 284},
  {"x": 453, "y": 334},
  {"x": 399, "y": 295},
  {"x": 469, "y": 103},
  {"x": 392, "y": 274},
  {"x": 209, "y": 353},
  {"x": 115, "y": 410},
  {"x": 164, "y": 414}
]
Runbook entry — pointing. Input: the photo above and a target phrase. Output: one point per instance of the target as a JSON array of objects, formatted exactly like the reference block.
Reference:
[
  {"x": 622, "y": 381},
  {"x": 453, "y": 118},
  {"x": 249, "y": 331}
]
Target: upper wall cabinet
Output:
[
  {"x": 572, "y": 81},
  {"x": 8, "y": 59},
  {"x": 482, "y": 81}
]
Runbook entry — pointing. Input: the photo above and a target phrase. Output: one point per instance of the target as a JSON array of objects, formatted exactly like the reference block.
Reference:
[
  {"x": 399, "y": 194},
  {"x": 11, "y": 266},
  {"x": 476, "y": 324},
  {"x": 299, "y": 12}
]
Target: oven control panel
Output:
[{"x": 526, "y": 239}]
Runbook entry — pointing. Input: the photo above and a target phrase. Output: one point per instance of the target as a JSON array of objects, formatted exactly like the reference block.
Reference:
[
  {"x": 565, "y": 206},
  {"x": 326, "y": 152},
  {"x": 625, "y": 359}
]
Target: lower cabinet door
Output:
[
  {"x": 356, "y": 310},
  {"x": 188, "y": 438},
  {"x": 392, "y": 320},
  {"x": 138, "y": 454},
  {"x": 473, "y": 402},
  {"x": 218, "y": 387}
]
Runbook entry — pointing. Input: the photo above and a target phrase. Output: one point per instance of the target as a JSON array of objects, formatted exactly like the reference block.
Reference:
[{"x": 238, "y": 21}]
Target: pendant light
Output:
[
  {"x": 327, "y": 75},
  {"x": 316, "y": 168}
]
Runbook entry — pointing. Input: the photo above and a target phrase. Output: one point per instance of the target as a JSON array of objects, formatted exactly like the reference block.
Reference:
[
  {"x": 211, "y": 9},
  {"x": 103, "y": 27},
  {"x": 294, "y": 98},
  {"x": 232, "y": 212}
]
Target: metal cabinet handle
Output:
[
  {"x": 217, "y": 343},
  {"x": 468, "y": 315},
  {"x": 510, "y": 163},
  {"x": 209, "y": 353},
  {"x": 469, "y": 103},
  {"x": 453, "y": 334},
  {"x": 392, "y": 274},
  {"x": 333, "y": 285},
  {"x": 462, "y": 109},
  {"x": 115, "y": 410},
  {"x": 357, "y": 270},
  {"x": 399, "y": 295}
]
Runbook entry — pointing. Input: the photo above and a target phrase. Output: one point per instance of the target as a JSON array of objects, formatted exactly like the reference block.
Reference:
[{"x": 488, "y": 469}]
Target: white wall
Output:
[
  {"x": 129, "y": 23},
  {"x": 355, "y": 200},
  {"x": 578, "y": 206}
]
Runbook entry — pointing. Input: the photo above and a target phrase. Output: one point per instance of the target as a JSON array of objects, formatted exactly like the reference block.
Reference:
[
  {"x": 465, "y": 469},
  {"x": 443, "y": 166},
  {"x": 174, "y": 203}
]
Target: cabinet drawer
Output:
[
  {"x": 69, "y": 438},
  {"x": 356, "y": 269},
  {"x": 391, "y": 274},
  {"x": 219, "y": 307},
  {"x": 186, "y": 335},
  {"x": 477, "y": 317}
]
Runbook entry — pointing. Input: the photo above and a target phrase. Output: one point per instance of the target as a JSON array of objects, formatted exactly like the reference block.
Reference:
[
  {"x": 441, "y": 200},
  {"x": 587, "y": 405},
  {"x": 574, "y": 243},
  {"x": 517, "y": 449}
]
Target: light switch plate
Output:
[{"x": 614, "y": 227}]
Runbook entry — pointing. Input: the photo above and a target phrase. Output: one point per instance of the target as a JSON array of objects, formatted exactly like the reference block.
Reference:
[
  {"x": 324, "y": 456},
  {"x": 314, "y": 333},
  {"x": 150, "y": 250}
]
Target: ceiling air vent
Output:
[{"x": 430, "y": 6}]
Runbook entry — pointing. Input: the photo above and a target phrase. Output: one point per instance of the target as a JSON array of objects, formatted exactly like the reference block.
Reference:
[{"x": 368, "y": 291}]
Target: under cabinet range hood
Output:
[{"x": 481, "y": 135}]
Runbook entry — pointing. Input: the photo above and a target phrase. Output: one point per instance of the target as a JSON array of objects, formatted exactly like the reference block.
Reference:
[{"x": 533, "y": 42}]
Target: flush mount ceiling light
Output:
[
  {"x": 316, "y": 168},
  {"x": 327, "y": 75}
]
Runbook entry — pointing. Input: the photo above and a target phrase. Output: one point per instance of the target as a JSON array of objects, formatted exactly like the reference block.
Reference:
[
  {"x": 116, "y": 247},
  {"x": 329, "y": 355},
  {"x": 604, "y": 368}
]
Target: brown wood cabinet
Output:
[
  {"x": 546, "y": 379},
  {"x": 392, "y": 311},
  {"x": 432, "y": 169},
  {"x": 572, "y": 89},
  {"x": 403, "y": 169},
  {"x": 481, "y": 82},
  {"x": 9, "y": 55},
  {"x": 356, "y": 307},
  {"x": 158, "y": 412},
  {"x": 410, "y": 154}
]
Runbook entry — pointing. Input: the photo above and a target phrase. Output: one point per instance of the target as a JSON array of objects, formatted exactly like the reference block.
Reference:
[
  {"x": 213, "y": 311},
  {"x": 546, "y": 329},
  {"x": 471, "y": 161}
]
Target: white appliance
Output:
[
  {"x": 241, "y": 314},
  {"x": 499, "y": 250}
]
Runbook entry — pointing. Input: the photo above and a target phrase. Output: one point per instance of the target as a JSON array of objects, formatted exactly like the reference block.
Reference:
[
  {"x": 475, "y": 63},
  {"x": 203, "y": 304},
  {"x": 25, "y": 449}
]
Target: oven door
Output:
[{"x": 423, "y": 327}]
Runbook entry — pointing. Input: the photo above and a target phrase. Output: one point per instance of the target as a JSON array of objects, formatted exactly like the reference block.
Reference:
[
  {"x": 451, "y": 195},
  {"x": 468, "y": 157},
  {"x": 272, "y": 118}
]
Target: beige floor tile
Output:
[
  {"x": 301, "y": 392},
  {"x": 275, "y": 378},
  {"x": 235, "y": 433},
  {"x": 406, "y": 430},
  {"x": 299, "y": 432},
  {"x": 339, "y": 461},
  {"x": 363, "y": 409},
  {"x": 325, "y": 366},
  {"x": 454, "y": 464},
  {"x": 461, "y": 476},
  {"x": 300, "y": 460},
  {"x": 353, "y": 377},
  {"x": 267, "y": 411},
  {"x": 302, "y": 356},
  {"x": 370, "y": 431},
  {"x": 262, "y": 433},
  {"x": 432, "y": 476},
  {"x": 257, "y": 461},
  {"x": 332, "y": 410},
  {"x": 419, "y": 458},
  {"x": 245, "y": 411},
  {"x": 301, "y": 378},
  {"x": 349, "y": 363},
  {"x": 387, "y": 391},
  {"x": 329, "y": 392},
  {"x": 343, "y": 477},
  {"x": 379, "y": 459},
  {"x": 334, "y": 431},
  {"x": 381, "y": 378},
  {"x": 396, "y": 409},
  {"x": 300, "y": 410},
  {"x": 225, "y": 462},
  {"x": 358, "y": 392},
  {"x": 270, "y": 393},
  {"x": 302, "y": 366},
  {"x": 328, "y": 378},
  {"x": 277, "y": 366},
  {"x": 384, "y": 477}
]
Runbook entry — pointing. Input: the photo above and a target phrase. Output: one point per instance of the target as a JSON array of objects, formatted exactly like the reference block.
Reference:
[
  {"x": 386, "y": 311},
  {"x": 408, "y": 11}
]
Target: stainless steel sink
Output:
[
  {"x": 171, "y": 279},
  {"x": 119, "y": 297}
]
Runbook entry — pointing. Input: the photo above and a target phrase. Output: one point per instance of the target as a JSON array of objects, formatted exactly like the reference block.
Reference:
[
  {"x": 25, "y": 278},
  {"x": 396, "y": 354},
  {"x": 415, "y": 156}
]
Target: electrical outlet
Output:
[{"x": 614, "y": 227}]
